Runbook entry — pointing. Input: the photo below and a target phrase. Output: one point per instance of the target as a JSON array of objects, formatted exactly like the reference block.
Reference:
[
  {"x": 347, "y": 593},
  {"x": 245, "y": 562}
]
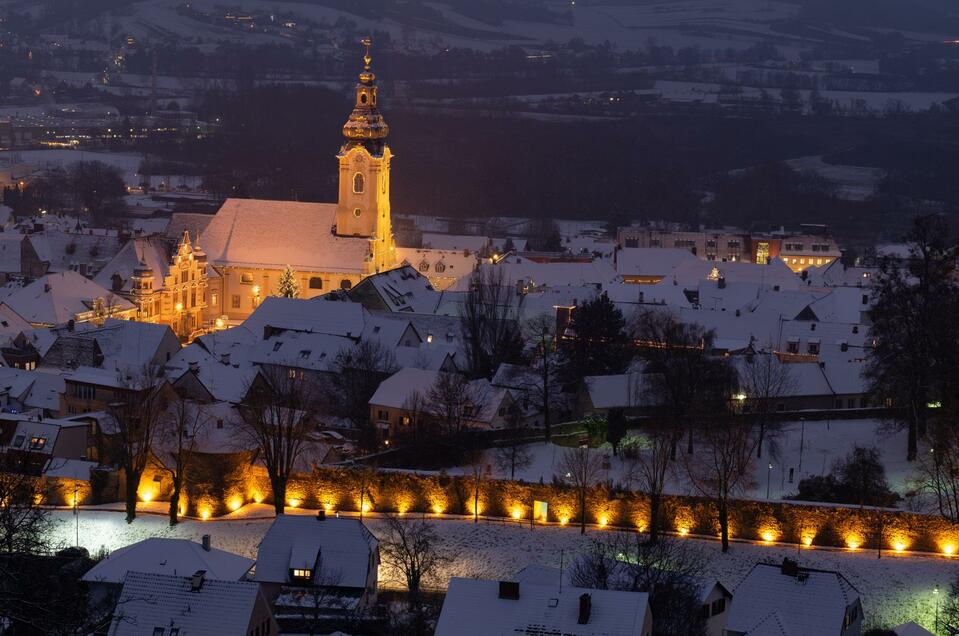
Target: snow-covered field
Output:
[
  {"x": 895, "y": 589},
  {"x": 822, "y": 443}
]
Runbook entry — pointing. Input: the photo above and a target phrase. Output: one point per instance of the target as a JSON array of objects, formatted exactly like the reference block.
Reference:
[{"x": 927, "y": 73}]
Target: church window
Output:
[
  {"x": 214, "y": 299},
  {"x": 363, "y": 98},
  {"x": 424, "y": 265},
  {"x": 246, "y": 278},
  {"x": 345, "y": 284},
  {"x": 235, "y": 301},
  {"x": 358, "y": 183},
  {"x": 316, "y": 282},
  {"x": 357, "y": 212}
]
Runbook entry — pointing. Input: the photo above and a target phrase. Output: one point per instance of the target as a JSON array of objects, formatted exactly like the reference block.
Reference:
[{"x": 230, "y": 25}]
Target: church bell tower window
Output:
[{"x": 358, "y": 183}]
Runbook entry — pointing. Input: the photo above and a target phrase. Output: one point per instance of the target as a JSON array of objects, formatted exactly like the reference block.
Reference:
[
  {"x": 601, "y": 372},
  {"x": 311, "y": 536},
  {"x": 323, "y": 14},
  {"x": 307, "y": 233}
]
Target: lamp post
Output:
[
  {"x": 76, "y": 510},
  {"x": 769, "y": 470},
  {"x": 935, "y": 592}
]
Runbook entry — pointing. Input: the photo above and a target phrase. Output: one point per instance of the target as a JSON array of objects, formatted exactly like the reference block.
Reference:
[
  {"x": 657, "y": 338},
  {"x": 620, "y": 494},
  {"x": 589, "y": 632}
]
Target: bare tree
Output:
[
  {"x": 416, "y": 407},
  {"x": 649, "y": 464},
  {"x": 412, "y": 548},
  {"x": 679, "y": 373},
  {"x": 512, "y": 453},
  {"x": 765, "y": 381},
  {"x": 181, "y": 429},
  {"x": 357, "y": 374},
  {"x": 668, "y": 570},
  {"x": 24, "y": 523},
  {"x": 453, "y": 401},
  {"x": 582, "y": 469},
  {"x": 142, "y": 399},
  {"x": 723, "y": 467},
  {"x": 937, "y": 473},
  {"x": 488, "y": 320},
  {"x": 277, "y": 423},
  {"x": 546, "y": 391},
  {"x": 478, "y": 473}
]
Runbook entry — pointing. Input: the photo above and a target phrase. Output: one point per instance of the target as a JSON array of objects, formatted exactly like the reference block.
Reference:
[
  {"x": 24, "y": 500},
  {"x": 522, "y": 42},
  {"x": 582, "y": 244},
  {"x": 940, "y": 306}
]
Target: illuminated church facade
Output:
[{"x": 250, "y": 242}]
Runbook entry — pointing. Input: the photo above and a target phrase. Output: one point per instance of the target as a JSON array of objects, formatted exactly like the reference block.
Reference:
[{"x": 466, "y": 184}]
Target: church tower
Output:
[{"x": 363, "y": 208}]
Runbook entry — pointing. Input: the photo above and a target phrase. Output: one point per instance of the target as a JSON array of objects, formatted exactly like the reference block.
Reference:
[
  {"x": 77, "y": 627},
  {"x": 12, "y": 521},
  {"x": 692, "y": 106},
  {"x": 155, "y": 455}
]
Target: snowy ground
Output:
[
  {"x": 894, "y": 589},
  {"x": 822, "y": 442}
]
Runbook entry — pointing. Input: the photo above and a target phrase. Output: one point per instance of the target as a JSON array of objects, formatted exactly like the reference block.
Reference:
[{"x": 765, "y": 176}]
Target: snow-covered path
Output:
[{"x": 895, "y": 589}]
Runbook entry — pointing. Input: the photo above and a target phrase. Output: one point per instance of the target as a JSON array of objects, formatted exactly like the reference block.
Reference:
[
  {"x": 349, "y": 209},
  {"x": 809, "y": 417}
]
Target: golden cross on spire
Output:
[{"x": 367, "y": 58}]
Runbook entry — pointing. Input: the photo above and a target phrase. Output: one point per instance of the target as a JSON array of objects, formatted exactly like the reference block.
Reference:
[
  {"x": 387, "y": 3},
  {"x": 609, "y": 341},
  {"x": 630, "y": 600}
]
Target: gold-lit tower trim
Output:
[{"x": 366, "y": 124}]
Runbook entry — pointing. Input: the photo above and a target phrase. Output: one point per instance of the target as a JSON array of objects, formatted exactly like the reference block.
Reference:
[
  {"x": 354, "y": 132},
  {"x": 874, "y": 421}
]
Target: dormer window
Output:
[
  {"x": 37, "y": 442},
  {"x": 301, "y": 574}
]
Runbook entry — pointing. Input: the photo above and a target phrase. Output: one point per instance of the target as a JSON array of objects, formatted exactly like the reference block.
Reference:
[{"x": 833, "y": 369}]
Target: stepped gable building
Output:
[{"x": 329, "y": 246}]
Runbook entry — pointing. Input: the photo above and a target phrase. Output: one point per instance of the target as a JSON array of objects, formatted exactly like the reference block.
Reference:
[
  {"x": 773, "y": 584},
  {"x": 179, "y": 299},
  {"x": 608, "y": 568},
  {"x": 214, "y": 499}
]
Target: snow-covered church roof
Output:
[{"x": 274, "y": 234}]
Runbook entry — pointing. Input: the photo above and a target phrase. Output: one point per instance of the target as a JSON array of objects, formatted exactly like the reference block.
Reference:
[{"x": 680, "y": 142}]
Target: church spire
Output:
[{"x": 365, "y": 125}]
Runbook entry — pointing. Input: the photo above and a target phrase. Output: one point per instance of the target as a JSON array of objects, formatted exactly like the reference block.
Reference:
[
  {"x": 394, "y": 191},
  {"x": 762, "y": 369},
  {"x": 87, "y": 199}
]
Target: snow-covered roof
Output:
[
  {"x": 623, "y": 390},
  {"x": 220, "y": 362},
  {"x": 171, "y": 557},
  {"x": 10, "y": 252},
  {"x": 472, "y": 607},
  {"x": 395, "y": 391},
  {"x": 400, "y": 290},
  {"x": 126, "y": 344},
  {"x": 150, "y": 601},
  {"x": 342, "y": 547},
  {"x": 63, "y": 468},
  {"x": 247, "y": 232},
  {"x": 810, "y": 604},
  {"x": 911, "y": 629},
  {"x": 650, "y": 261},
  {"x": 34, "y": 389},
  {"x": 313, "y": 351},
  {"x": 534, "y": 273},
  {"x": 151, "y": 251},
  {"x": 315, "y": 315},
  {"x": 65, "y": 250},
  {"x": 55, "y": 299},
  {"x": 436, "y": 262}
]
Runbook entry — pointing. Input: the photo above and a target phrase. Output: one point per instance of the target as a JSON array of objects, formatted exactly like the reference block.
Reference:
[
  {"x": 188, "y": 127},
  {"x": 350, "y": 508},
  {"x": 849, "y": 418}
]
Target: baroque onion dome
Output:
[{"x": 366, "y": 126}]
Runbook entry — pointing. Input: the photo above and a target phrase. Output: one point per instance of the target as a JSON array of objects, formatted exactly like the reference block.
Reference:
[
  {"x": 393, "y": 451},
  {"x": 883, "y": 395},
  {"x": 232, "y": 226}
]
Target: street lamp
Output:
[
  {"x": 76, "y": 509},
  {"x": 769, "y": 470},
  {"x": 935, "y": 592}
]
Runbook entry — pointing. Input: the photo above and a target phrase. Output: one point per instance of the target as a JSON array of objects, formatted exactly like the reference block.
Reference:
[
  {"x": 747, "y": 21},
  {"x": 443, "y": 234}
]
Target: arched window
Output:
[
  {"x": 358, "y": 183},
  {"x": 440, "y": 267},
  {"x": 345, "y": 284},
  {"x": 316, "y": 282},
  {"x": 363, "y": 98},
  {"x": 424, "y": 265}
]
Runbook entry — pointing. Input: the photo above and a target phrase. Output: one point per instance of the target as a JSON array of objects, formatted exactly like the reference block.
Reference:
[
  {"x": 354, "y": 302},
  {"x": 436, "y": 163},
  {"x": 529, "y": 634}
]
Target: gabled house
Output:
[
  {"x": 795, "y": 600},
  {"x": 175, "y": 605},
  {"x": 476, "y": 607},
  {"x": 328, "y": 561},
  {"x": 56, "y": 299},
  {"x": 169, "y": 557},
  {"x": 28, "y": 442}
]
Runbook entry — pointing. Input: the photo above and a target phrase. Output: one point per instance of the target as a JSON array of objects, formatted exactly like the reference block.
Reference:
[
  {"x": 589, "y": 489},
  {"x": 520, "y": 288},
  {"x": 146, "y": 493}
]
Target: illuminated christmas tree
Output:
[{"x": 288, "y": 287}]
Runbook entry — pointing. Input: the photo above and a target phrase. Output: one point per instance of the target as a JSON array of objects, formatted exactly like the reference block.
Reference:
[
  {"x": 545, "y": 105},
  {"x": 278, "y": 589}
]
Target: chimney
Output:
[
  {"x": 321, "y": 515},
  {"x": 509, "y": 590},
  {"x": 71, "y": 324},
  {"x": 789, "y": 567},
  {"x": 585, "y": 608},
  {"x": 721, "y": 283},
  {"x": 225, "y": 358},
  {"x": 205, "y": 540},
  {"x": 197, "y": 581}
]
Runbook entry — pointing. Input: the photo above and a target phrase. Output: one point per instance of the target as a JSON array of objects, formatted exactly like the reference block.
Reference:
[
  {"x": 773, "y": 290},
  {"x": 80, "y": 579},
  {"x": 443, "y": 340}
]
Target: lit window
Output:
[
  {"x": 358, "y": 183},
  {"x": 302, "y": 574},
  {"x": 214, "y": 299},
  {"x": 37, "y": 442}
]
